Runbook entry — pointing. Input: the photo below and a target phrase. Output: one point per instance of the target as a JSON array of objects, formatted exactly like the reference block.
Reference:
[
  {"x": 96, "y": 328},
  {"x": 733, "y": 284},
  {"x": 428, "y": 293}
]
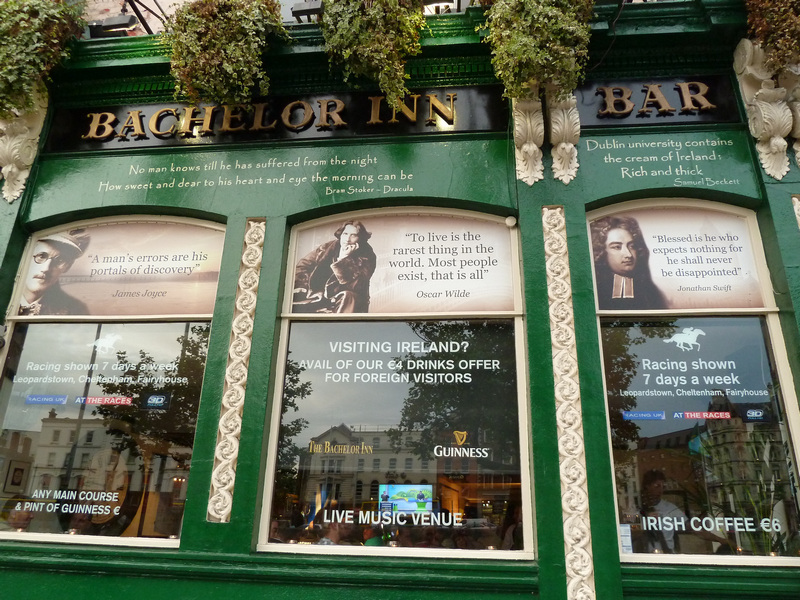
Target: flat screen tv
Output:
[{"x": 406, "y": 497}]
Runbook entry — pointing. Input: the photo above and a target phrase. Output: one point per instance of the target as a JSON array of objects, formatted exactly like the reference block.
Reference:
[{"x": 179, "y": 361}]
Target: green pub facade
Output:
[{"x": 313, "y": 346}]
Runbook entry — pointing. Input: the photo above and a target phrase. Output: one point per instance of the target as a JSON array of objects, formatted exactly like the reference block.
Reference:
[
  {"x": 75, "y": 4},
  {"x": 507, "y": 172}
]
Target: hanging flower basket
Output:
[
  {"x": 775, "y": 25},
  {"x": 372, "y": 39},
  {"x": 33, "y": 39},
  {"x": 218, "y": 47},
  {"x": 542, "y": 42}
]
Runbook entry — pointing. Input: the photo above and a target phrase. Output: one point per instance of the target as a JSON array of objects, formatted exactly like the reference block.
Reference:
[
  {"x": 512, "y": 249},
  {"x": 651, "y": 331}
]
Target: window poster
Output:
[
  {"x": 678, "y": 257},
  {"x": 403, "y": 262},
  {"x": 702, "y": 454},
  {"x": 400, "y": 434},
  {"x": 122, "y": 268},
  {"x": 97, "y": 426}
]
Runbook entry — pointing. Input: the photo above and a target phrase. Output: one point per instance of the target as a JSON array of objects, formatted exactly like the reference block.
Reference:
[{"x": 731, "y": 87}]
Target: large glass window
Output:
[
  {"x": 101, "y": 380},
  {"x": 431, "y": 407},
  {"x": 701, "y": 426}
]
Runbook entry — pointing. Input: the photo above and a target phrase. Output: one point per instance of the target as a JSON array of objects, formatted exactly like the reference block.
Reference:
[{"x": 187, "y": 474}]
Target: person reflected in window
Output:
[
  {"x": 663, "y": 538},
  {"x": 334, "y": 277},
  {"x": 14, "y": 517},
  {"x": 511, "y": 530},
  {"x": 53, "y": 256},
  {"x": 622, "y": 269},
  {"x": 337, "y": 533}
]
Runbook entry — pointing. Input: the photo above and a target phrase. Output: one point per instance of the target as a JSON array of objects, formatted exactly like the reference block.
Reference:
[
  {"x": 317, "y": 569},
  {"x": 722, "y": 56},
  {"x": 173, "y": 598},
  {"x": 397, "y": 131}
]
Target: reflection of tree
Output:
[
  {"x": 288, "y": 451},
  {"x": 158, "y": 431},
  {"x": 621, "y": 366},
  {"x": 486, "y": 405}
]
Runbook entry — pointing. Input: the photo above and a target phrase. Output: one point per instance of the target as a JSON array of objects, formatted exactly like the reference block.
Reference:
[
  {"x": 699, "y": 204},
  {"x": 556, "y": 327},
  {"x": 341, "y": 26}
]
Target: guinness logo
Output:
[{"x": 460, "y": 436}]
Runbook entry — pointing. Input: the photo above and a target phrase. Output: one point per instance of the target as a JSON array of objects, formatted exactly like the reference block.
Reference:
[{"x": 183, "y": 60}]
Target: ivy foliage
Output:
[
  {"x": 372, "y": 39},
  {"x": 33, "y": 39},
  {"x": 775, "y": 25},
  {"x": 217, "y": 48},
  {"x": 542, "y": 42}
]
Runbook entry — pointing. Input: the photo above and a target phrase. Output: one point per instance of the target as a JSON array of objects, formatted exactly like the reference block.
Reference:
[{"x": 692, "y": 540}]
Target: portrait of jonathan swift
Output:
[
  {"x": 53, "y": 255},
  {"x": 622, "y": 266},
  {"x": 334, "y": 277}
]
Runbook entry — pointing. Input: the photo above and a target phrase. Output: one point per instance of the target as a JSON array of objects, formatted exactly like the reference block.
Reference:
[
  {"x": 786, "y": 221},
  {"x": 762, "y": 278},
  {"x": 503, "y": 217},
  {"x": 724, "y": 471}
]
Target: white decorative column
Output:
[
  {"x": 565, "y": 132},
  {"x": 226, "y": 454},
  {"x": 572, "y": 458},
  {"x": 528, "y": 138},
  {"x": 768, "y": 114},
  {"x": 19, "y": 142}
]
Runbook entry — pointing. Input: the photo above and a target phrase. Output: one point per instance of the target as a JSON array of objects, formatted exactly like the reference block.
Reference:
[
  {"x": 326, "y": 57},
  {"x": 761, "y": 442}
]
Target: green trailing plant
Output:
[
  {"x": 372, "y": 39},
  {"x": 775, "y": 25},
  {"x": 218, "y": 47},
  {"x": 538, "y": 42},
  {"x": 33, "y": 39}
]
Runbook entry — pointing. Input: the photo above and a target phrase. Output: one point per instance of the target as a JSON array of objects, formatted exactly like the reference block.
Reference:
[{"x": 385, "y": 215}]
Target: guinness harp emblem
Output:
[{"x": 461, "y": 437}]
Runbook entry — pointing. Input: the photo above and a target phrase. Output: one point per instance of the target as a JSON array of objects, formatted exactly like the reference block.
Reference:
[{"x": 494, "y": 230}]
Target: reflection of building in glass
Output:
[
  {"x": 72, "y": 456},
  {"x": 747, "y": 469},
  {"x": 347, "y": 464},
  {"x": 344, "y": 467},
  {"x": 720, "y": 467}
]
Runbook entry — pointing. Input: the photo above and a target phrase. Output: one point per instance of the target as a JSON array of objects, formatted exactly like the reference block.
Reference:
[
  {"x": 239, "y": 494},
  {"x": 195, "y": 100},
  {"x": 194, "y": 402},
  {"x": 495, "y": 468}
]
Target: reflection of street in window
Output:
[{"x": 662, "y": 536}]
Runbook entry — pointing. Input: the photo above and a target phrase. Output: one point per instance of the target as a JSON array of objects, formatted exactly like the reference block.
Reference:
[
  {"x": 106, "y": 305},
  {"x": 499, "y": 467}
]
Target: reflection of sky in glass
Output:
[
  {"x": 737, "y": 339},
  {"x": 54, "y": 346},
  {"x": 330, "y": 403}
]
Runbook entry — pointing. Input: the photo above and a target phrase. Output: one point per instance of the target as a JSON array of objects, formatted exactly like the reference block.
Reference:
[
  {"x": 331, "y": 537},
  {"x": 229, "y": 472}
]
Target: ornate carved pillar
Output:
[
  {"x": 226, "y": 455},
  {"x": 572, "y": 455}
]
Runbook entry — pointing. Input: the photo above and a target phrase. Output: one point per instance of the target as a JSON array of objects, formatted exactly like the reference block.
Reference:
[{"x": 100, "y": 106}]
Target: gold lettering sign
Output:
[
  {"x": 296, "y": 116},
  {"x": 617, "y": 100}
]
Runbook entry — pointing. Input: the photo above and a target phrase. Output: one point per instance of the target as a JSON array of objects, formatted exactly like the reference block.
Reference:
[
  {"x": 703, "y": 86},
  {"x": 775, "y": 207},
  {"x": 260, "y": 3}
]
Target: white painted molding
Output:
[
  {"x": 528, "y": 138},
  {"x": 565, "y": 133},
  {"x": 796, "y": 205},
  {"x": 572, "y": 458},
  {"x": 768, "y": 114},
  {"x": 19, "y": 143},
  {"x": 226, "y": 454}
]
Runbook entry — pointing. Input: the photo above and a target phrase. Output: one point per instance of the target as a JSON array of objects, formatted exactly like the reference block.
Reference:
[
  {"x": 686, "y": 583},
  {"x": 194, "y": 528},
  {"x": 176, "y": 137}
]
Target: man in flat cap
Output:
[{"x": 53, "y": 255}]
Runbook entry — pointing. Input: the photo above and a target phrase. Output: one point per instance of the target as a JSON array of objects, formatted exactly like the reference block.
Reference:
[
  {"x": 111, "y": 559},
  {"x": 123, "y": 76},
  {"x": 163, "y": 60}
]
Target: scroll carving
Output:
[
  {"x": 19, "y": 142},
  {"x": 226, "y": 454},
  {"x": 565, "y": 132},
  {"x": 528, "y": 139},
  {"x": 768, "y": 114},
  {"x": 790, "y": 80},
  {"x": 572, "y": 459}
]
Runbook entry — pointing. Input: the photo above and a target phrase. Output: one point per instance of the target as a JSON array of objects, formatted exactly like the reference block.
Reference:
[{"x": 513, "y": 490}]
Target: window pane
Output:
[
  {"x": 414, "y": 393},
  {"x": 701, "y": 447},
  {"x": 98, "y": 423}
]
